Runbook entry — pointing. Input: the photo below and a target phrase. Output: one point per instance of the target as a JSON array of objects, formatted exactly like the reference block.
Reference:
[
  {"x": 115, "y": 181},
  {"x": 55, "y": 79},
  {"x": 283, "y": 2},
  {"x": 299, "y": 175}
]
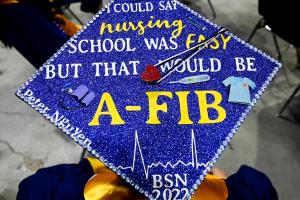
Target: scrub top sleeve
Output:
[
  {"x": 251, "y": 84},
  {"x": 227, "y": 82}
]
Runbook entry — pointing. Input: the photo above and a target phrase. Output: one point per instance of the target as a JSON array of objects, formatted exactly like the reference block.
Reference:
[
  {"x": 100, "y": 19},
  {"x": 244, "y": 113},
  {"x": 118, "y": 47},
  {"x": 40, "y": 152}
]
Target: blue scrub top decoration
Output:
[
  {"x": 239, "y": 89},
  {"x": 153, "y": 90}
]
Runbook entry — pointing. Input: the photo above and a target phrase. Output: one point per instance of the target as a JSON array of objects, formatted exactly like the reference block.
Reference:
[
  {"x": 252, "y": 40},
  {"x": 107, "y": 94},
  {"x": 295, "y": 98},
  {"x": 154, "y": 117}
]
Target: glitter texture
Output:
[{"x": 136, "y": 151}]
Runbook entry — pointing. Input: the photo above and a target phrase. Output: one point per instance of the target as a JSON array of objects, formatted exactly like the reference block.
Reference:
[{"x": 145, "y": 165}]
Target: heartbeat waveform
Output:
[{"x": 138, "y": 149}]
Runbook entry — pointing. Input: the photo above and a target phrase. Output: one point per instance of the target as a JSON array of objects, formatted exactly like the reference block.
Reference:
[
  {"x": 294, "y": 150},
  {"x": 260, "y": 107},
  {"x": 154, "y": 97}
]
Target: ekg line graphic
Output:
[{"x": 138, "y": 149}]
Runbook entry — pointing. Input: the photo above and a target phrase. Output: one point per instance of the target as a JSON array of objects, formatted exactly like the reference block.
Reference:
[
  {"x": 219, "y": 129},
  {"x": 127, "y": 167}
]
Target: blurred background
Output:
[{"x": 265, "y": 141}]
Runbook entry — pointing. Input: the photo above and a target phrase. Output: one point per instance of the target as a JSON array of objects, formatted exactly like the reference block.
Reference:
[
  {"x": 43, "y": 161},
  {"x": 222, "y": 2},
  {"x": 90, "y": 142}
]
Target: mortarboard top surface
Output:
[{"x": 161, "y": 138}]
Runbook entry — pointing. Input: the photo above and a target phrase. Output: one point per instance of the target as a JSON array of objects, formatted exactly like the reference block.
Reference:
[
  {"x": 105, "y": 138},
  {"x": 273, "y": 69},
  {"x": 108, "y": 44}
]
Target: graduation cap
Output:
[{"x": 169, "y": 89}]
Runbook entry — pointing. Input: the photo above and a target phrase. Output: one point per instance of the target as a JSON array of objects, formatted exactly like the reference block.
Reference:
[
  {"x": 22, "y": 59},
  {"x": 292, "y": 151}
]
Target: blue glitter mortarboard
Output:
[{"x": 161, "y": 138}]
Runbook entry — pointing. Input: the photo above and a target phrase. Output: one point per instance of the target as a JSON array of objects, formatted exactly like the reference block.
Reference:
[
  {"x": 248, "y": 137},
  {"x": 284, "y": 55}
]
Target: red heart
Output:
[{"x": 151, "y": 74}]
